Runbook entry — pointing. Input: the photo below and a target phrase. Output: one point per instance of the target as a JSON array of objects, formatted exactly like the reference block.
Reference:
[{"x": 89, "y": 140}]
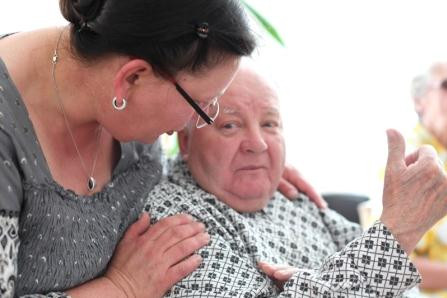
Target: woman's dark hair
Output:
[{"x": 169, "y": 34}]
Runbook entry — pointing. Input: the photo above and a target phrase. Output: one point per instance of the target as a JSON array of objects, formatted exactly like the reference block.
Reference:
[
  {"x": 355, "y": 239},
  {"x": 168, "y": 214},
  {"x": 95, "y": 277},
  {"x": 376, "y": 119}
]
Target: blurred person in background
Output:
[{"x": 429, "y": 94}]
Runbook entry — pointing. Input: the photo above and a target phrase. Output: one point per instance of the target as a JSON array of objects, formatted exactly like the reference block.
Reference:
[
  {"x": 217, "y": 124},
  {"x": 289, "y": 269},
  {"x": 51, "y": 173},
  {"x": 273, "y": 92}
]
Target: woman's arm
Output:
[
  {"x": 11, "y": 193},
  {"x": 149, "y": 259}
]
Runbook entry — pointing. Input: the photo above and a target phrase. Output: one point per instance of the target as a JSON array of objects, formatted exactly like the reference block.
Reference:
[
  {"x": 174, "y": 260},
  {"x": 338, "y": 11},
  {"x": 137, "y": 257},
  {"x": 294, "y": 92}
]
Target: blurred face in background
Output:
[
  {"x": 240, "y": 158},
  {"x": 431, "y": 106}
]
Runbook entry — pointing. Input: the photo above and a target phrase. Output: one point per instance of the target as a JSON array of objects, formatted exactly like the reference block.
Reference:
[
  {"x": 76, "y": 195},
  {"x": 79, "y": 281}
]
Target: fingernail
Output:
[
  {"x": 206, "y": 237},
  {"x": 263, "y": 263},
  {"x": 389, "y": 132},
  {"x": 293, "y": 194},
  {"x": 197, "y": 258}
]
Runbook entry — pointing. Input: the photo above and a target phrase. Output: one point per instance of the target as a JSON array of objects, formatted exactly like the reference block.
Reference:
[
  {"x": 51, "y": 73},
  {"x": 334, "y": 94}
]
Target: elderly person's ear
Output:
[{"x": 183, "y": 143}]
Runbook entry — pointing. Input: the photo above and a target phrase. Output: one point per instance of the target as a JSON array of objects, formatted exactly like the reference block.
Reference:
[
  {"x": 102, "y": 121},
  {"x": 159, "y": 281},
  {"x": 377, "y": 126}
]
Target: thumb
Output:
[{"x": 396, "y": 150}]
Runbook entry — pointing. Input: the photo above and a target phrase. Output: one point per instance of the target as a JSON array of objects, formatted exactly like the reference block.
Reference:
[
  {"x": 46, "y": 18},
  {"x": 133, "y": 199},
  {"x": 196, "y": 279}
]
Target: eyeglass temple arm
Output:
[{"x": 191, "y": 101}]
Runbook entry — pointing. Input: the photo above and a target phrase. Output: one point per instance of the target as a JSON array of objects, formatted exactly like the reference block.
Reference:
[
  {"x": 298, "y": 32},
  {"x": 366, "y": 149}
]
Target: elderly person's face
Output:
[
  {"x": 432, "y": 105},
  {"x": 240, "y": 158}
]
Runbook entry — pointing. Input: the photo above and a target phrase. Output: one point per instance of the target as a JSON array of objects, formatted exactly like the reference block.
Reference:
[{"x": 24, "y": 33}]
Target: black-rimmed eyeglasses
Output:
[{"x": 207, "y": 112}]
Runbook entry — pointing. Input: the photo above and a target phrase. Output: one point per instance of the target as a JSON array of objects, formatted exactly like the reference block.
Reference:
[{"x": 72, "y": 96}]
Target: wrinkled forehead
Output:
[
  {"x": 249, "y": 92},
  {"x": 251, "y": 107}
]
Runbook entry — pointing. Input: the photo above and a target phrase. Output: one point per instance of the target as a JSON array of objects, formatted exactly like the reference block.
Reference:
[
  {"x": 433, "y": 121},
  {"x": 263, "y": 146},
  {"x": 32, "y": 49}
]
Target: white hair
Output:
[
  {"x": 421, "y": 83},
  {"x": 419, "y": 86}
]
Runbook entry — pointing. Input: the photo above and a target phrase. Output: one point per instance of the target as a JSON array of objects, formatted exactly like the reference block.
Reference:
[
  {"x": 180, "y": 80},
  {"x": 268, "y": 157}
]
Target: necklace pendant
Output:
[
  {"x": 91, "y": 183},
  {"x": 55, "y": 57}
]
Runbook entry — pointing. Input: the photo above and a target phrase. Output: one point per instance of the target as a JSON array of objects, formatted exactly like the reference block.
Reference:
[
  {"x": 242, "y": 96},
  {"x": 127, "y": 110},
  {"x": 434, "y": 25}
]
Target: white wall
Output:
[
  {"x": 344, "y": 76},
  {"x": 20, "y": 15}
]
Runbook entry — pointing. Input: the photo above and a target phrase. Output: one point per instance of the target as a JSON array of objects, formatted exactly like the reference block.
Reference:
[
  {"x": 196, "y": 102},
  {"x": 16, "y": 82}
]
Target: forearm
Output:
[
  {"x": 99, "y": 287},
  {"x": 370, "y": 266},
  {"x": 433, "y": 273}
]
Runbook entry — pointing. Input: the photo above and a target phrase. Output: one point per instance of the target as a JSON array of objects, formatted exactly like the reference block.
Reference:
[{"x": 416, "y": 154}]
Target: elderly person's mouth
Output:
[{"x": 251, "y": 168}]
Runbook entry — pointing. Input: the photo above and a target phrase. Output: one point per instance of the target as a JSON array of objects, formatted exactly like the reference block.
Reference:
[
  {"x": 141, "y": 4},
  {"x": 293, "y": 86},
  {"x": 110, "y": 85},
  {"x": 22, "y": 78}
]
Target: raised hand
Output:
[{"x": 415, "y": 191}]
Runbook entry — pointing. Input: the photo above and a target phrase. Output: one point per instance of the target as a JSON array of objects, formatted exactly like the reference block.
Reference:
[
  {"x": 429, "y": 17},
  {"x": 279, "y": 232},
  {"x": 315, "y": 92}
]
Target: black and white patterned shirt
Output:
[{"x": 334, "y": 257}]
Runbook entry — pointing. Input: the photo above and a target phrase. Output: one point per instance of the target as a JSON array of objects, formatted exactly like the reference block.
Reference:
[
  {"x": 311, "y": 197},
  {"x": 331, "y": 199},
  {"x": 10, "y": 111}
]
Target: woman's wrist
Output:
[
  {"x": 98, "y": 287},
  {"x": 120, "y": 281}
]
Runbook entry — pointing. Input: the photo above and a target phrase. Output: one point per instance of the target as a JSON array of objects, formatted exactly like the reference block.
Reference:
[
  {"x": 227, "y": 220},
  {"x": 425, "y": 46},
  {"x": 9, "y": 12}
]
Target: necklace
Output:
[{"x": 91, "y": 182}]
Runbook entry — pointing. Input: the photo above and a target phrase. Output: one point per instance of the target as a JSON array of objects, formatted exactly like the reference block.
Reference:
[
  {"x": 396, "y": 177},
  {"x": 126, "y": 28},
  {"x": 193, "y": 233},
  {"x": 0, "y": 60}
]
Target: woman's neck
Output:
[
  {"x": 28, "y": 57},
  {"x": 82, "y": 87}
]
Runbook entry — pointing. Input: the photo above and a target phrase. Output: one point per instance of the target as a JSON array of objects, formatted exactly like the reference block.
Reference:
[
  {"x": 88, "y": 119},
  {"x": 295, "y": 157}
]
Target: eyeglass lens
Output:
[{"x": 212, "y": 110}]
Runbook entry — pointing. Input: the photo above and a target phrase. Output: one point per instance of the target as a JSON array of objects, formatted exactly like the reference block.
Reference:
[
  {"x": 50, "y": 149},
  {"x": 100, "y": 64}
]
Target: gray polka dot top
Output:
[{"x": 65, "y": 239}]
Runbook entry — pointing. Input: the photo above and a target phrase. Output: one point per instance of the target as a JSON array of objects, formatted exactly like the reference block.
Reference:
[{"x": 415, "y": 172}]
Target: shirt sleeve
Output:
[
  {"x": 341, "y": 230},
  {"x": 372, "y": 265},
  {"x": 11, "y": 194},
  {"x": 10, "y": 201},
  {"x": 49, "y": 295},
  {"x": 9, "y": 245}
]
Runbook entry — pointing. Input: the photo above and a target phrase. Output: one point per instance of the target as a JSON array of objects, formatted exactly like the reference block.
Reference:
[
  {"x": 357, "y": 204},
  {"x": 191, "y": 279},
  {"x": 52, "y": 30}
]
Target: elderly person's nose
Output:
[{"x": 254, "y": 142}]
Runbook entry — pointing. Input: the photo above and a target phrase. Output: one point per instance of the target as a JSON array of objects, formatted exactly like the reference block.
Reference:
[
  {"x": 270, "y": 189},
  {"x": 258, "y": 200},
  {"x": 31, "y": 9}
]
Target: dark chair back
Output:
[{"x": 346, "y": 204}]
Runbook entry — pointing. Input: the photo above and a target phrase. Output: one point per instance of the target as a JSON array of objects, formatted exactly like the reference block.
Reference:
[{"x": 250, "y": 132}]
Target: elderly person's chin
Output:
[{"x": 246, "y": 194}]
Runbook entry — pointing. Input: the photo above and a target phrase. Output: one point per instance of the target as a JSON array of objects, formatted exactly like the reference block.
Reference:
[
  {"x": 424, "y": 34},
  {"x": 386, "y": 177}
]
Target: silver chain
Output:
[{"x": 91, "y": 182}]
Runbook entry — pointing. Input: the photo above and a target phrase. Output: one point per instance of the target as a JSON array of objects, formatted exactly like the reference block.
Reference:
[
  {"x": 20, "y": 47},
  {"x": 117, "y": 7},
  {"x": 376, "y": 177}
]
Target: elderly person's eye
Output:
[
  {"x": 229, "y": 125},
  {"x": 270, "y": 124}
]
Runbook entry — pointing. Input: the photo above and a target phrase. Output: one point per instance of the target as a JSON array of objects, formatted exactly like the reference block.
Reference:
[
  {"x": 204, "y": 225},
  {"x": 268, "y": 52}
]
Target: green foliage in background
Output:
[{"x": 264, "y": 23}]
